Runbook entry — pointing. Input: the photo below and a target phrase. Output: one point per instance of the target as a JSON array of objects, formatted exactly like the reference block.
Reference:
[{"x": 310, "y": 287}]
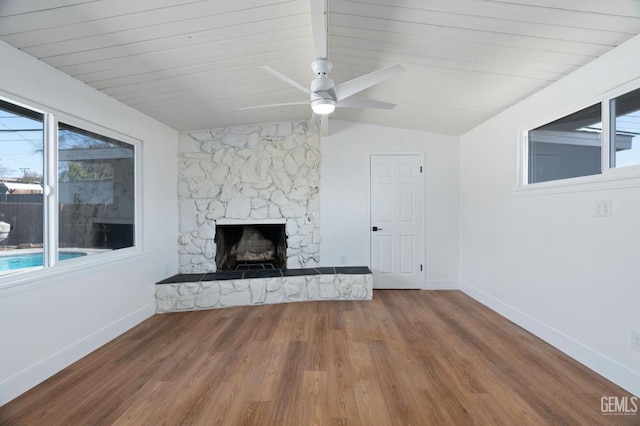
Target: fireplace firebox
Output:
[{"x": 255, "y": 246}]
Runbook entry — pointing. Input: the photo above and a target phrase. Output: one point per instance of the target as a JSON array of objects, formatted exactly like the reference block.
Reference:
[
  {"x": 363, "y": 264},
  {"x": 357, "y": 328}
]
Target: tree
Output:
[
  {"x": 4, "y": 171},
  {"x": 87, "y": 169},
  {"x": 30, "y": 177},
  {"x": 82, "y": 170}
]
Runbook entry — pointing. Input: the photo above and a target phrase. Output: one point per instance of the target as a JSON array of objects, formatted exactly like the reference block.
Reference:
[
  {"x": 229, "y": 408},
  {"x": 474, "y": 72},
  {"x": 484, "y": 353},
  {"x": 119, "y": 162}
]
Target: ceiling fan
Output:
[{"x": 325, "y": 96}]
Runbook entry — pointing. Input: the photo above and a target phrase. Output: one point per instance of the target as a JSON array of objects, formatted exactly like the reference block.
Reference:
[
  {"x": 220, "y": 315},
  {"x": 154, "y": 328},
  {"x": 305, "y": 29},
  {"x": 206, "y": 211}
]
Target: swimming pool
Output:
[{"x": 29, "y": 260}]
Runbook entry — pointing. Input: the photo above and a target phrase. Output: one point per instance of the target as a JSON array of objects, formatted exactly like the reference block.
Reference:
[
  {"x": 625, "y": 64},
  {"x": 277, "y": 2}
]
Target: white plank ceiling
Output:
[{"x": 192, "y": 64}]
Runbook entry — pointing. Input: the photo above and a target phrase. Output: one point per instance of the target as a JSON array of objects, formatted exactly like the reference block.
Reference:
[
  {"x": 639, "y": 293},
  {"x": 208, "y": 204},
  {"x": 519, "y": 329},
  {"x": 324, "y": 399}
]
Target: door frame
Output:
[{"x": 423, "y": 222}]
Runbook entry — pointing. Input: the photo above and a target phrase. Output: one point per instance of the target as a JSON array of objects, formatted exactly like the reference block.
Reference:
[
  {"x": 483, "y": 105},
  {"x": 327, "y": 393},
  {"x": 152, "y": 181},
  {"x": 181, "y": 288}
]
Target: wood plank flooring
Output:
[{"x": 406, "y": 358}]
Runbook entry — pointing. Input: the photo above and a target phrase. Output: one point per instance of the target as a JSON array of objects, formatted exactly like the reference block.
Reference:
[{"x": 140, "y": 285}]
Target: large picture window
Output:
[
  {"x": 96, "y": 188},
  {"x": 81, "y": 205},
  {"x": 577, "y": 144},
  {"x": 21, "y": 187}
]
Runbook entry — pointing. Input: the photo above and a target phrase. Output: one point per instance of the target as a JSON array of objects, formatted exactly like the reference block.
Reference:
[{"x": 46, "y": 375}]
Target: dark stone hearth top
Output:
[{"x": 268, "y": 273}]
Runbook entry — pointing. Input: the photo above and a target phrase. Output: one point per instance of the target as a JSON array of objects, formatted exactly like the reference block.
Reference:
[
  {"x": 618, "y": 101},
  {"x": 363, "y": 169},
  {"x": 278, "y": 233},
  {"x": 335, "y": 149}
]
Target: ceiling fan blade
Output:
[
  {"x": 319, "y": 27},
  {"x": 324, "y": 125},
  {"x": 286, "y": 79},
  {"x": 354, "y": 102},
  {"x": 361, "y": 83},
  {"x": 275, "y": 105}
]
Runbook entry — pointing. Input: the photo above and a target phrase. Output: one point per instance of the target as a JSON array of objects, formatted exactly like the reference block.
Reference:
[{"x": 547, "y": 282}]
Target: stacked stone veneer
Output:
[
  {"x": 175, "y": 297},
  {"x": 256, "y": 173}
]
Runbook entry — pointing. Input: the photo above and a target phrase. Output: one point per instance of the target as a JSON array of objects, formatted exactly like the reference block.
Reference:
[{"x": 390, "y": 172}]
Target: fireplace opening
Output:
[{"x": 243, "y": 247}]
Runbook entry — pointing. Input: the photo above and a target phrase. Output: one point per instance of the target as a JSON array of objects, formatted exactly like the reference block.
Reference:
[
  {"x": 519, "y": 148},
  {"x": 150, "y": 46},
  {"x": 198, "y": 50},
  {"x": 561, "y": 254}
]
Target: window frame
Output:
[
  {"x": 610, "y": 177},
  {"x": 27, "y": 278}
]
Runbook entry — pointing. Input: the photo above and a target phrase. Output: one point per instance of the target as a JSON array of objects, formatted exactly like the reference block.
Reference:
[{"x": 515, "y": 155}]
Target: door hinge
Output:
[
  {"x": 420, "y": 169},
  {"x": 421, "y": 267}
]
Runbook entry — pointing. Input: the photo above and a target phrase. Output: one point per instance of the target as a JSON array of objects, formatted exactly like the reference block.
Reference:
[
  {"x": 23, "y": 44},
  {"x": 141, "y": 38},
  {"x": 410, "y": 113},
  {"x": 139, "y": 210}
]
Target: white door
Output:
[{"x": 396, "y": 221}]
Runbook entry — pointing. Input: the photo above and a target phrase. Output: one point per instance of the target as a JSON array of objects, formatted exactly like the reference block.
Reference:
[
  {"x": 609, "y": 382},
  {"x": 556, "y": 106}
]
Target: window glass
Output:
[
  {"x": 625, "y": 129},
  {"x": 21, "y": 188},
  {"x": 96, "y": 187},
  {"x": 568, "y": 147}
]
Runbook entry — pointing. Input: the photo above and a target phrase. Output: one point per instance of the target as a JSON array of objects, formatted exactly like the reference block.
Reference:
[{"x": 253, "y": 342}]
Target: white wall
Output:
[
  {"x": 50, "y": 321},
  {"x": 543, "y": 260},
  {"x": 343, "y": 195}
]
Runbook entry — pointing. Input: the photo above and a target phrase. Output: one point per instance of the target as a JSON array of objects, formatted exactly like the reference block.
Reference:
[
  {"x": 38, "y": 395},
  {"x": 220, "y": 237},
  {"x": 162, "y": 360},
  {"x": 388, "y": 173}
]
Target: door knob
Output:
[{"x": 375, "y": 228}]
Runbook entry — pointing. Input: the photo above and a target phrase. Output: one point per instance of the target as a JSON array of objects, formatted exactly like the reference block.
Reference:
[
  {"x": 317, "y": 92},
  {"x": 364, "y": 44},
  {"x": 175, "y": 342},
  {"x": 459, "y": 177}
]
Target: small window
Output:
[
  {"x": 568, "y": 147},
  {"x": 596, "y": 140},
  {"x": 625, "y": 129}
]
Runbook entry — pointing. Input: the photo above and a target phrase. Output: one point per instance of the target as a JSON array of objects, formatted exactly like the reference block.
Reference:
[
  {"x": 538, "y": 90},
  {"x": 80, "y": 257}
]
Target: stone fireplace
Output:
[
  {"x": 243, "y": 176},
  {"x": 247, "y": 246}
]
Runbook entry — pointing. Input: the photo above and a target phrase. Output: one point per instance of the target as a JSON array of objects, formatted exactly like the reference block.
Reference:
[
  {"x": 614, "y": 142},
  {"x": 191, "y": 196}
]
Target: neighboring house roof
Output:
[{"x": 21, "y": 188}]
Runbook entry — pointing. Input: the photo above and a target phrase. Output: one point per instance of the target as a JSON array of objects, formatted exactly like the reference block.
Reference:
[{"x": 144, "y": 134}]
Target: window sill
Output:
[
  {"x": 32, "y": 278},
  {"x": 627, "y": 177}
]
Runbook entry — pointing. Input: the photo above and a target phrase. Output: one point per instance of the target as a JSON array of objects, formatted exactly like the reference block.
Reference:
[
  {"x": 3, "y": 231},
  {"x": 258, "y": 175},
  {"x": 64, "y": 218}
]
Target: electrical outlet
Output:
[
  {"x": 603, "y": 208},
  {"x": 635, "y": 340},
  {"x": 343, "y": 259}
]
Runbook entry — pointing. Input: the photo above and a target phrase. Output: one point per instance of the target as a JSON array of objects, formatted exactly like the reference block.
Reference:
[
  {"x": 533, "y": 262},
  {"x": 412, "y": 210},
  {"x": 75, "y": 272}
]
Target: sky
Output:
[{"x": 20, "y": 149}]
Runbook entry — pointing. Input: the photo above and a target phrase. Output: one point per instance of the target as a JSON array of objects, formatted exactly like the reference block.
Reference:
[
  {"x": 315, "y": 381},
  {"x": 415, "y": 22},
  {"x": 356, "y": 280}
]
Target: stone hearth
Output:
[{"x": 189, "y": 292}]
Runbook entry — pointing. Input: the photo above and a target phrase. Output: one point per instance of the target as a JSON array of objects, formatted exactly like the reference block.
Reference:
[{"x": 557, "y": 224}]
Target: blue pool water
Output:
[{"x": 30, "y": 260}]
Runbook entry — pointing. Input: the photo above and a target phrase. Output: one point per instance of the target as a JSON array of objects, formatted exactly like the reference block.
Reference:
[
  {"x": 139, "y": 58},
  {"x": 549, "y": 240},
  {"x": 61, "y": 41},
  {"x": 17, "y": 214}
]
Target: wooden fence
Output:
[{"x": 26, "y": 220}]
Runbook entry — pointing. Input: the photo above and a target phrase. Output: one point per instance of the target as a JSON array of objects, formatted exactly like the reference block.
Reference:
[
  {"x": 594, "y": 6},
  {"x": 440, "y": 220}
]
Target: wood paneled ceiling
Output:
[{"x": 192, "y": 64}]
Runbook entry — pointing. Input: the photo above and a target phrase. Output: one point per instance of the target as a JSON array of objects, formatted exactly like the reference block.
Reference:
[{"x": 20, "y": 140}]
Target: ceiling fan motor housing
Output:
[
  {"x": 321, "y": 67},
  {"x": 322, "y": 87}
]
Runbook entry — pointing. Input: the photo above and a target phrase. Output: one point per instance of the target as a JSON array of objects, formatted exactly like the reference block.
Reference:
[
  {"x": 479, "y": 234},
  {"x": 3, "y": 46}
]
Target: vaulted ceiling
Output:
[{"x": 192, "y": 64}]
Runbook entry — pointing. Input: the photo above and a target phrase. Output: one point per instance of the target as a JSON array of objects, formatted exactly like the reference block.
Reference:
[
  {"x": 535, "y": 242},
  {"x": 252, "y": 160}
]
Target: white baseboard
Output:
[
  {"x": 441, "y": 285},
  {"x": 24, "y": 380},
  {"x": 601, "y": 364}
]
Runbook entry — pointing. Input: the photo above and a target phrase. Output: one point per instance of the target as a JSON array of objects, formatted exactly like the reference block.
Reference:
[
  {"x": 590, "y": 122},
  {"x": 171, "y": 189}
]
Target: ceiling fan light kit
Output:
[
  {"x": 325, "y": 95},
  {"x": 323, "y": 106}
]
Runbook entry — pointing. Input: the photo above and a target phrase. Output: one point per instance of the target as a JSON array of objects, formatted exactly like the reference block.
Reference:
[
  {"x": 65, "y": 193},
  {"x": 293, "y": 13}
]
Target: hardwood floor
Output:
[{"x": 408, "y": 357}]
